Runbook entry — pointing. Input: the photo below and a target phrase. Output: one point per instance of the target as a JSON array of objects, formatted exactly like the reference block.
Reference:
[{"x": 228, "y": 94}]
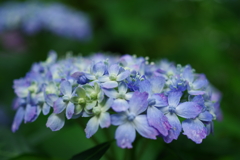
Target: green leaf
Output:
[
  {"x": 94, "y": 153},
  {"x": 31, "y": 157}
]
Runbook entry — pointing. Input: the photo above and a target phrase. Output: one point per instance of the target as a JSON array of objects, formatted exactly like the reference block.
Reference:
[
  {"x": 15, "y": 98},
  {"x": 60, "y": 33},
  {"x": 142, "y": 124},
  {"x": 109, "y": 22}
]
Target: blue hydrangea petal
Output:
[
  {"x": 99, "y": 69},
  {"x": 174, "y": 98},
  {"x": 138, "y": 103},
  {"x": 105, "y": 120},
  {"x": 210, "y": 128},
  {"x": 107, "y": 104},
  {"x": 175, "y": 130},
  {"x": 113, "y": 69},
  {"x": 158, "y": 120},
  {"x": 205, "y": 116},
  {"x": 109, "y": 84},
  {"x": 123, "y": 75},
  {"x": 30, "y": 113},
  {"x": 55, "y": 121},
  {"x": 122, "y": 88},
  {"x": 92, "y": 127},
  {"x": 125, "y": 135},
  {"x": 157, "y": 84},
  {"x": 188, "y": 74},
  {"x": 91, "y": 104},
  {"x": 194, "y": 129},
  {"x": 160, "y": 99},
  {"x": 100, "y": 96},
  {"x": 18, "y": 118},
  {"x": 198, "y": 99},
  {"x": 200, "y": 83},
  {"x": 45, "y": 109},
  {"x": 21, "y": 92},
  {"x": 66, "y": 88},
  {"x": 104, "y": 78},
  {"x": 143, "y": 128},
  {"x": 118, "y": 119},
  {"x": 50, "y": 99},
  {"x": 120, "y": 105},
  {"x": 70, "y": 110},
  {"x": 145, "y": 86},
  {"x": 188, "y": 110},
  {"x": 128, "y": 95},
  {"x": 59, "y": 106},
  {"x": 90, "y": 76},
  {"x": 111, "y": 93}
]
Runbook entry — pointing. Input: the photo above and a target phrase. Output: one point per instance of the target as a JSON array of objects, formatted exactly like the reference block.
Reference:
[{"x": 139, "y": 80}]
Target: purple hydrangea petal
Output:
[
  {"x": 160, "y": 99},
  {"x": 70, "y": 110},
  {"x": 188, "y": 110},
  {"x": 120, "y": 105},
  {"x": 157, "y": 84},
  {"x": 118, "y": 119},
  {"x": 193, "y": 92},
  {"x": 143, "y": 128},
  {"x": 145, "y": 86},
  {"x": 109, "y": 84},
  {"x": 18, "y": 119},
  {"x": 30, "y": 113},
  {"x": 113, "y": 69},
  {"x": 125, "y": 135},
  {"x": 92, "y": 127},
  {"x": 55, "y": 121},
  {"x": 175, "y": 130},
  {"x": 59, "y": 106},
  {"x": 138, "y": 103},
  {"x": 123, "y": 75},
  {"x": 105, "y": 120},
  {"x": 174, "y": 98},
  {"x": 111, "y": 93},
  {"x": 158, "y": 120},
  {"x": 205, "y": 116},
  {"x": 50, "y": 99},
  {"x": 66, "y": 88},
  {"x": 194, "y": 129},
  {"x": 188, "y": 74},
  {"x": 122, "y": 88}
]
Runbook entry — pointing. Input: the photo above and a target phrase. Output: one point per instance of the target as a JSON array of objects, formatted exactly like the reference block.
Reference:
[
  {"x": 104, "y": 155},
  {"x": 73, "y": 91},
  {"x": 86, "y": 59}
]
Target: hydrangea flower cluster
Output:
[
  {"x": 32, "y": 17},
  {"x": 154, "y": 99}
]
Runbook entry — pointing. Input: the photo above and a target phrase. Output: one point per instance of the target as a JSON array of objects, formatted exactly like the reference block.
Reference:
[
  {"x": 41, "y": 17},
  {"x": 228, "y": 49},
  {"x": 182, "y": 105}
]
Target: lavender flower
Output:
[{"x": 127, "y": 92}]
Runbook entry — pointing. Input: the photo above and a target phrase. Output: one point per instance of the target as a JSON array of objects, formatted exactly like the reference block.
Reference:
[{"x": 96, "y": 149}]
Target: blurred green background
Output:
[{"x": 202, "y": 33}]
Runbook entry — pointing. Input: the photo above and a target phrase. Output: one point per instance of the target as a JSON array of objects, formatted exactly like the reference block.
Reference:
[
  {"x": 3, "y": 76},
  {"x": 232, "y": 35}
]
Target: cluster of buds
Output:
[
  {"x": 156, "y": 100},
  {"x": 32, "y": 17}
]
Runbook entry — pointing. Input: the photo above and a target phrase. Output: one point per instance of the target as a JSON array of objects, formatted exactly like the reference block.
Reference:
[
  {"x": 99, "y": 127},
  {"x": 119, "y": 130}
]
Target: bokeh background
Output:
[{"x": 202, "y": 33}]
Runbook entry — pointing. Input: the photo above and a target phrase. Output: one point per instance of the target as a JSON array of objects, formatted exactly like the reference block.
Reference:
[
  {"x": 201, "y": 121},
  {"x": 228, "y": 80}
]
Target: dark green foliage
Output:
[
  {"x": 202, "y": 33},
  {"x": 94, "y": 153}
]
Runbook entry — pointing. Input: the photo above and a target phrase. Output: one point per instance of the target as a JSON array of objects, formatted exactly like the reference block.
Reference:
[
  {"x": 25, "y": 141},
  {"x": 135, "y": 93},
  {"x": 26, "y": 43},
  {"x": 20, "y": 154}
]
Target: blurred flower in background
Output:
[{"x": 30, "y": 18}]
